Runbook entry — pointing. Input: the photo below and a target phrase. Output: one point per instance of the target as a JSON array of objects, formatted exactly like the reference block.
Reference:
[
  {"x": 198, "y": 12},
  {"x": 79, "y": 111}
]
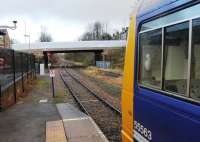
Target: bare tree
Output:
[
  {"x": 116, "y": 35},
  {"x": 44, "y": 35},
  {"x": 87, "y": 36},
  {"x": 96, "y": 31},
  {"x": 106, "y": 36}
]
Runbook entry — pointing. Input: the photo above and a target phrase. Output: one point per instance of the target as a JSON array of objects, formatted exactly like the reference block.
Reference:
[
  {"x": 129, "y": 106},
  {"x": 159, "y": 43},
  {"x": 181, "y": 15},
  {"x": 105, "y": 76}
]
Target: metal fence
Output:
[{"x": 14, "y": 66}]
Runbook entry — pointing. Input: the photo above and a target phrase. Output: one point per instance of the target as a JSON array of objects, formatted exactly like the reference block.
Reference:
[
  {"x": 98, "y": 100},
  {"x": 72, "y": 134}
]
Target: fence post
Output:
[
  {"x": 35, "y": 72},
  {"x": 27, "y": 66},
  {"x": 32, "y": 73},
  {"x": 0, "y": 99},
  {"x": 32, "y": 66},
  {"x": 13, "y": 61},
  {"x": 22, "y": 71}
]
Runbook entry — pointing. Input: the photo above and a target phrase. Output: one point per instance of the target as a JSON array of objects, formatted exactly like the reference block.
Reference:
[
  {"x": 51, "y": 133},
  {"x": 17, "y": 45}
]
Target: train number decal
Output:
[{"x": 141, "y": 133}]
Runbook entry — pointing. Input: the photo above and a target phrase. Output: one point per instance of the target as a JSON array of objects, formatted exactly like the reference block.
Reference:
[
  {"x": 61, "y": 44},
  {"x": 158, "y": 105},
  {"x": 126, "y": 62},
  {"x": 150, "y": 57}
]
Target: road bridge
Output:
[
  {"x": 62, "y": 47},
  {"x": 44, "y": 48}
]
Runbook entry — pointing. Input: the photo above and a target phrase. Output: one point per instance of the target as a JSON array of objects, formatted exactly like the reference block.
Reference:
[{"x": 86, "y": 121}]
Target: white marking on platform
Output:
[
  {"x": 43, "y": 101},
  {"x": 75, "y": 119}
]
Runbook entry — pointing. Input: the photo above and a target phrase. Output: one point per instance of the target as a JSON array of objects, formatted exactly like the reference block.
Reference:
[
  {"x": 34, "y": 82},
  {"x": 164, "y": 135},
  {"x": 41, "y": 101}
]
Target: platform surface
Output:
[{"x": 78, "y": 126}]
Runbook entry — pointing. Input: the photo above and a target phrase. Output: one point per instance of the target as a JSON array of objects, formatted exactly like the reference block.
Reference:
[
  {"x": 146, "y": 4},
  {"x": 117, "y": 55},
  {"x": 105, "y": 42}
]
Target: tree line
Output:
[{"x": 98, "y": 31}]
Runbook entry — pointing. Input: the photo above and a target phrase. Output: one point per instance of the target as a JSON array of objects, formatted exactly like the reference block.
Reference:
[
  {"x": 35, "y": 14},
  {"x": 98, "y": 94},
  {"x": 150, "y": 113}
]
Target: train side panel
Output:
[{"x": 160, "y": 118}]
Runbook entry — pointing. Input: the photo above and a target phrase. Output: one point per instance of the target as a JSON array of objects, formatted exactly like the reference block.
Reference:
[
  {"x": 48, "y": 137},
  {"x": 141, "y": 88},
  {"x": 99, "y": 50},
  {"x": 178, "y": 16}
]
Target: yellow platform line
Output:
[{"x": 55, "y": 132}]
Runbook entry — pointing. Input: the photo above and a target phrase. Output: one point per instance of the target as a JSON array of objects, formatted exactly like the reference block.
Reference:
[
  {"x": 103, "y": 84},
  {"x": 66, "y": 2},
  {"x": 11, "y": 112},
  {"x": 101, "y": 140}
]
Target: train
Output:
[{"x": 161, "y": 85}]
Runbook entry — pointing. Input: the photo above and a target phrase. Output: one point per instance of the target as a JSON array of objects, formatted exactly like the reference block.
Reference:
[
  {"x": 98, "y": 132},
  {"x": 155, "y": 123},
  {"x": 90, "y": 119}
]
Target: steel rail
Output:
[
  {"x": 74, "y": 96},
  {"x": 93, "y": 93},
  {"x": 91, "y": 111}
]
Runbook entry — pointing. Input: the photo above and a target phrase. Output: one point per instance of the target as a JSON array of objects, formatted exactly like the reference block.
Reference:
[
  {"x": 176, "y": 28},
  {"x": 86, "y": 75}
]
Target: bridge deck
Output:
[{"x": 71, "y": 46}]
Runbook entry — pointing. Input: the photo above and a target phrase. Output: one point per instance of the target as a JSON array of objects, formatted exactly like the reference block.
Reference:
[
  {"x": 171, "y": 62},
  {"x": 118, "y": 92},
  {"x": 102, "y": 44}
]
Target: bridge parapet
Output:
[{"x": 60, "y": 47}]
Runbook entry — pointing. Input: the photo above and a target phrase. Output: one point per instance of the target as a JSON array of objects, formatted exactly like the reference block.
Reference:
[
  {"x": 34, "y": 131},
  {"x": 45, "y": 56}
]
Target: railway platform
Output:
[{"x": 74, "y": 126}]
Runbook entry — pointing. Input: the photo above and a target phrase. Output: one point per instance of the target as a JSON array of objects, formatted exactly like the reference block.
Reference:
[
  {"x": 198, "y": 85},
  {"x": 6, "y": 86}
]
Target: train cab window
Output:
[
  {"x": 150, "y": 58},
  {"x": 195, "y": 61},
  {"x": 176, "y": 58}
]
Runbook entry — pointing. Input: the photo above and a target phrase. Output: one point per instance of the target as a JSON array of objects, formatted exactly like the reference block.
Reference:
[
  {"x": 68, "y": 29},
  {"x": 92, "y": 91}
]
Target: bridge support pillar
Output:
[
  {"x": 46, "y": 60},
  {"x": 98, "y": 56}
]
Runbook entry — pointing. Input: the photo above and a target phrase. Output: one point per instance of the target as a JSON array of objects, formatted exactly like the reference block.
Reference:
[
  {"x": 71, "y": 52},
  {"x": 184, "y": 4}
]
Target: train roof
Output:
[{"x": 150, "y": 6}]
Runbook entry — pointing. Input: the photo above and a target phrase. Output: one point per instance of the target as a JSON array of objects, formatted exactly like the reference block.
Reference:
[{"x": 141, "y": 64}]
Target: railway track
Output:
[
  {"x": 96, "y": 88},
  {"x": 107, "y": 117},
  {"x": 105, "y": 99}
]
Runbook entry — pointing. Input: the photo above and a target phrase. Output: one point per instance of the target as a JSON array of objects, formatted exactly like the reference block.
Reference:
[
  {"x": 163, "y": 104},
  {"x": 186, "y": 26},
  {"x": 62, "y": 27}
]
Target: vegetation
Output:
[
  {"x": 116, "y": 57},
  {"x": 96, "y": 31},
  {"x": 44, "y": 35},
  {"x": 87, "y": 58},
  {"x": 59, "y": 97},
  {"x": 44, "y": 83}
]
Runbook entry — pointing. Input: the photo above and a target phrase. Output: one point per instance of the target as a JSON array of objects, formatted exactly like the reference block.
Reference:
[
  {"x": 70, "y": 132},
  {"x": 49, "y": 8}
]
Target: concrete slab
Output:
[
  {"x": 67, "y": 111},
  {"x": 86, "y": 139},
  {"x": 78, "y": 126}
]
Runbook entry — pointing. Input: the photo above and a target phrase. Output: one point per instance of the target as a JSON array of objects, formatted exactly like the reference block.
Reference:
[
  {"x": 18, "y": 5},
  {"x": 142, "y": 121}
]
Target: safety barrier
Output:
[{"x": 16, "y": 69}]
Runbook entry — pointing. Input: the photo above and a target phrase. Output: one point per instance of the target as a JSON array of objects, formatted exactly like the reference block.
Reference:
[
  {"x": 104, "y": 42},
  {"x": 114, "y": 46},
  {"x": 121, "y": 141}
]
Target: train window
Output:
[
  {"x": 150, "y": 58},
  {"x": 176, "y": 58},
  {"x": 195, "y": 61}
]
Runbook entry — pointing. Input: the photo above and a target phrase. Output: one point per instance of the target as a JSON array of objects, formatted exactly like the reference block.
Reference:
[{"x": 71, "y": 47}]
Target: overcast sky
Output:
[{"x": 65, "y": 20}]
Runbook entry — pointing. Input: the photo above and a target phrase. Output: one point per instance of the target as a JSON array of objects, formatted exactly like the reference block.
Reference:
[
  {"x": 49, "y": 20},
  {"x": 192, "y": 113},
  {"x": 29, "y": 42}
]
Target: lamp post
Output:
[
  {"x": 9, "y": 27},
  {"x": 29, "y": 41}
]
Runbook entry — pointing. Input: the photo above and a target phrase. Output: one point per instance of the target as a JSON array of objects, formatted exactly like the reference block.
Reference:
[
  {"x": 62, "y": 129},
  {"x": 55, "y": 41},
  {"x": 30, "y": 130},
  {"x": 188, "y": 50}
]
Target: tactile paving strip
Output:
[{"x": 55, "y": 132}]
